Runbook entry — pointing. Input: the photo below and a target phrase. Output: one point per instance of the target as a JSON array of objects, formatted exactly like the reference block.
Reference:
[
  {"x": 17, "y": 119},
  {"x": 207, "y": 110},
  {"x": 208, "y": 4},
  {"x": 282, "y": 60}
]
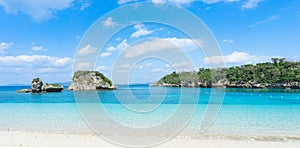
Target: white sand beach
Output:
[{"x": 27, "y": 138}]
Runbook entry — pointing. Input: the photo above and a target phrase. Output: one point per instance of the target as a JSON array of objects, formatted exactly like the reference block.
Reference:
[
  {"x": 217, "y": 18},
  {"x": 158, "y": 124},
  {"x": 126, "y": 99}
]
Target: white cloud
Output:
[
  {"x": 141, "y": 31},
  {"x": 111, "y": 48},
  {"x": 187, "y": 2},
  {"x": 159, "y": 1},
  {"x": 228, "y": 41},
  {"x": 217, "y": 1},
  {"x": 39, "y": 10},
  {"x": 123, "y": 45},
  {"x": 185, "y": 44},
  {"x": 105, "y": 54},
  {"x": 4, "y": 45},
  {"x": 88, "y": 49},
  {"x": 83, "y": 66},
  {"x": 147, "y": 65},
  {"x": 160, "y": 45},
  {"x": 38, "y": 48},
  {"x": 85, "y": 5},
  {"x": 237, "y": 58},
  {"x": 181, "y": 2},
  {"x": 139, "y": 66},
  {"x": 125, "y": 1},
  {"x": 109, "y": 22},
  {"x": 184, "y": 66},
  {"x": 178, "y": 2},
  {"x": 270, "y": 19},
  {"x": 100, "y": 68},
  {"x": 125, "y": 66},
  {"x": 250, "y": 4},
  {"x": 155, "y": 70},
  {"x": 34, "y": 61}
]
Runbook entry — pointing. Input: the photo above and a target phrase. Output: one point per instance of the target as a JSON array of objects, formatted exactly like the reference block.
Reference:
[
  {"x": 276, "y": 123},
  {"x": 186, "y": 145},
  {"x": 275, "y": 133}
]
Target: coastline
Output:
[
  {"x": 293, "y": 85},
  {"x": 30, "y": 138}
]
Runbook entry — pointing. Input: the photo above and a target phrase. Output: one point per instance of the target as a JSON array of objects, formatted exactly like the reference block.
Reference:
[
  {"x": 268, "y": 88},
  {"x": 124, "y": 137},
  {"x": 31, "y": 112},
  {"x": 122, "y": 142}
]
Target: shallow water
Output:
[{"x": 246, "y": 113}]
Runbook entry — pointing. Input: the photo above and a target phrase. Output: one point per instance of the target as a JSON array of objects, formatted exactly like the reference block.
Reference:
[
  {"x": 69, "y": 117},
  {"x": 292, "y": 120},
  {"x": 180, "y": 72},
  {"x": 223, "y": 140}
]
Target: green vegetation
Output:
[
  {"x": 277, "y": 71},
  {"x": 79, "y": 73},
  {"x": 172, "y": 78},
  {"x": 36, "y": 80},
  {"x": 56, "y": 85},
  {"x": 280, "y": 71}
]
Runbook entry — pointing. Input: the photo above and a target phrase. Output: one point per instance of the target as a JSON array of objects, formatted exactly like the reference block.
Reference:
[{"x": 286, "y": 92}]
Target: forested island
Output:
[{"x": 279, "y": 73}]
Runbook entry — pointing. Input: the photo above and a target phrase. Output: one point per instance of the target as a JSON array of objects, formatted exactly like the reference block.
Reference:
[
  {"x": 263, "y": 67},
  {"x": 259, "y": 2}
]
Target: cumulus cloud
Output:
[
  {"x": 100, "y": 68},
  {"x": 162, "y": 44},
  {"x": 123, "y": 45},
  {"x": 250, "y": 4},
  {"x": 237, "y": 58},
  {"x": 39, "y": 10},
  {"x": 88, "y": 49},
  {"x": 38, "y": 48},
  {"x": 111, "y": 48},
  {"x": 140, "y": 31},
  {"x": 5, "y": 45},
  {"x": 85, "y": 5},
  {"x": 34, "y": 61},
  {"x": 105, "y": 54},
  {"x": 109, "y": 22}
]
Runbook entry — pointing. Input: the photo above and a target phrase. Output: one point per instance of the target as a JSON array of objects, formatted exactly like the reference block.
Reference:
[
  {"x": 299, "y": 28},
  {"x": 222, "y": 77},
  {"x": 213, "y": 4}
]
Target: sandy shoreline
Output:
[{"x": 27, "y": 138}]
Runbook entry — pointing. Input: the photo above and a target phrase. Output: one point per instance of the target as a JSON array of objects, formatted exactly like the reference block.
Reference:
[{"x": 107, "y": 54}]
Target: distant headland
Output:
[{"x": 277, "y": 74}]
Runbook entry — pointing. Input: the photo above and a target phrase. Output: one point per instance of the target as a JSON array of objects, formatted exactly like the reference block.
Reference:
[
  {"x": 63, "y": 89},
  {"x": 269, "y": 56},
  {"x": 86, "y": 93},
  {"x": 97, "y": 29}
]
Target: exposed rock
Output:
[
  {"x": 52, "y": 88},
  {"x": 293, "y": 85},
  {"x": 227, "y": 84},
  {"x": 37, "y": 86},
  {"x": 90, "y": 80},
  {"x": 24, "y": 91}
]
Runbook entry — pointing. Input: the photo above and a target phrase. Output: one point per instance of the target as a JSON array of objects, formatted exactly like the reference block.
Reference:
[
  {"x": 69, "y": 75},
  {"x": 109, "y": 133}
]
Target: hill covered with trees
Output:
[{"x": 279, "y": 73}]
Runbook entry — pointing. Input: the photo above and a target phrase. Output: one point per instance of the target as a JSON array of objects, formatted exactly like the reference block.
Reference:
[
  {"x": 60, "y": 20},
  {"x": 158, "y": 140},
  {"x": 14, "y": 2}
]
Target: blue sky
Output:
[{"x": 40, "y": 38}]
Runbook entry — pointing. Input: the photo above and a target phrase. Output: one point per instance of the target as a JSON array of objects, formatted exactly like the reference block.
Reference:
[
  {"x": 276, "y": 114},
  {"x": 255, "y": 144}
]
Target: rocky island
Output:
[
  {"x": 90, "y": 80},
  {"x": 38, "y": 86},
  {"x": 277, "y": 74}
]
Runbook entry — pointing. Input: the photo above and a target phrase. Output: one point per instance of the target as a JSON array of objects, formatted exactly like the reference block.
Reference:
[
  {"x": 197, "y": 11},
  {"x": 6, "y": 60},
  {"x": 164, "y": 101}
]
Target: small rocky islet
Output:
[
  {"x": 37, "y": 86},
  {"x": 82, "y": 80},
  {"x": 90, "y": 80}
]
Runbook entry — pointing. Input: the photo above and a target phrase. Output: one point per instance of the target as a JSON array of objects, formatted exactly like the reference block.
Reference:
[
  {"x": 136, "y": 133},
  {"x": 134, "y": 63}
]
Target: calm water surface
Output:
[{"x": 244, "y": 113}]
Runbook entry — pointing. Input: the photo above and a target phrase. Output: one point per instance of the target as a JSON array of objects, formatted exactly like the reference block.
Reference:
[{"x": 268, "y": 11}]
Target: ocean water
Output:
[{"x": 263, "y": 114}]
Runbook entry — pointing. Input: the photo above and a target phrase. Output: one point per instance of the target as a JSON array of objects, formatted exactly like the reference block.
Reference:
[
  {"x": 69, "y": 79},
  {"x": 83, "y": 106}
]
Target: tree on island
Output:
[{"x": 279, "y": 73}]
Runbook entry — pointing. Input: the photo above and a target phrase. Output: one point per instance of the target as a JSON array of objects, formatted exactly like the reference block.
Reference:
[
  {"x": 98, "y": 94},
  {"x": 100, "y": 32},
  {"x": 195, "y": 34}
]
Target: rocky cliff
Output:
[{"x": 90, "y": 80}]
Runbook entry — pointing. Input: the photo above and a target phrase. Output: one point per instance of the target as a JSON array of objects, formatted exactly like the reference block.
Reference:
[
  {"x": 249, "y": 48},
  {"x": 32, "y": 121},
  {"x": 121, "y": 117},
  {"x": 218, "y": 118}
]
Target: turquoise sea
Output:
[{"x": 262, "y": 114}]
